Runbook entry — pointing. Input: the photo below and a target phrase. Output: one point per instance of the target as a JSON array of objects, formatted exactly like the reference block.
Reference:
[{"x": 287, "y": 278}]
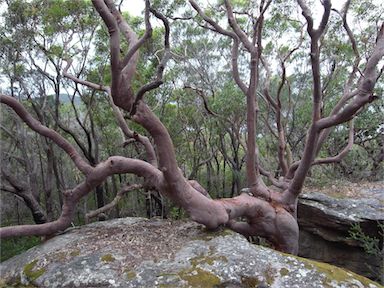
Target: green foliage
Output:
[
  {"x": 169, "y": 7},
  {"x": 370, "y": 244},
  {"x": 356, "y": 162},
  {"x": 177, "y": 213},
  {"x": 14, "y": 246},
  {"x": 57, "y": 16}
]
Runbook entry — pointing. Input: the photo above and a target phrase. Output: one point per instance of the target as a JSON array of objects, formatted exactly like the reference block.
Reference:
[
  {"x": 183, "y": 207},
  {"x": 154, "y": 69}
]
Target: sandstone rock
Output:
[
  {"x": 135, "y": 252},
  {"x": 325, "y": 223}
]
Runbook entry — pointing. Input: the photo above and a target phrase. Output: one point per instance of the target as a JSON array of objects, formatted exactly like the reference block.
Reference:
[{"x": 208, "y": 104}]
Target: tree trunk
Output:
[
  {"x": 59, "y": 186},
  {"x": 49, "y": 183},
  {"x": 100, "y": 196}
]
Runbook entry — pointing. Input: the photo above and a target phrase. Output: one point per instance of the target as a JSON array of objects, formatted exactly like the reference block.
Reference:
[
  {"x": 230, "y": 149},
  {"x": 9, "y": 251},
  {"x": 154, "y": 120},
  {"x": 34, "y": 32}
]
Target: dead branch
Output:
[{"x": 113, "y": 203}]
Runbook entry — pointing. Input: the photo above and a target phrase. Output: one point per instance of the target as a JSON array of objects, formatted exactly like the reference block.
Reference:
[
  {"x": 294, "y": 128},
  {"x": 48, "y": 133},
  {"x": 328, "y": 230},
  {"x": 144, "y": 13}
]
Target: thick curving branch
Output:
[
  {"x": 311, "y": 144},
  {"x": 253, "y": 174},
  {"x": 273, "y": 223},
  {"x": 178, "y": 189},
  {"x": 113, "y": 165},
  {"x": 347, "y": 94},
  {"x": 276, "y": 104},
  {"x": 35, "y": 125},
  {"x": 80, "y": 81},
  {"x": 307, "y": 15},
  {"x": 324, "y": 20},
  {"x": 94, "y": 176},
  {"x": 364, "y": 93},
  {"x": 235, "y": 66},
  {"x": 131, "y": 37},
  {"x": 22, "y": 189},
  {"x": 274, "y": 181},
  {"x": 235, "y": 47},
  {"x": 49, "y": 228},
  {"x": 160, "y": 68},
  {"x": 150, "y": 151},
  {"x": 211, "y": 22},
  {"x": 114, "y": 46},
  {"x": 122, "y": 70},
  {"x": 343, "y": 152},
  {"x": 342, "y": 112},
  {"x": 236, "y": 28}
]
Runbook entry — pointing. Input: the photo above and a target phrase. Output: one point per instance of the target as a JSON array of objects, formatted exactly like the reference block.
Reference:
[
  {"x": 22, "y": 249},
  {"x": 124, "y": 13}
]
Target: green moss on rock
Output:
[
  {"x": 131, "y": 275},
  {"x": 284, "y": 272},
  {"x": 209, "y": 235},
  {"x": 333, "y": 273},
  {"x": 250, "y": 282},
  {"x": 207, "y": 259},
  {"x": 60, "y": 256},
  {"x": 75, "y": 253},
  {"x": 269, "y": 274},
  {"x": 32, "y": 274},
  {"x": 197, "y": 277},
  {"x": 107, "y": 258},
  {"x": 17, "y": 284}
]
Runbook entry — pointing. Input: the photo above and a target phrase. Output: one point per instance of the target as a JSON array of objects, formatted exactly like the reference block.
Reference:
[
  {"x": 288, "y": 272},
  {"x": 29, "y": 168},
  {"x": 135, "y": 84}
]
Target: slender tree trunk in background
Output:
[
  {"x": 378, "y": 160},
  {"x": 21, "y": 189},
  {"x": 107, "y": 194},
  {"x": 157, "y": 204},
  {"x": 99, "y": 196},
  {"x": 34, "y": 206},
  {"x": 218, "y": 183},
  {"x": 233, "y": 186},
  {"x": 114, "y": 192},
  {"x": 59, "y": 185},
  {"x": 49, "y": 183},
  {"x": 238, "y": 182},
  {"x": 33, "y": 180},
  {"x": 17, "y": 210},
  {"x": 224, "y": 176},
  {"x": 42, "y": 176},
  {"x": 30, "y": 164},
  {"x": 235, "y": 189},
  {"x": 148, "y": 204},
  {"x": 63, "y": 171},
  {"x": 209, "y": 176},
  {"x": 85, "y": 209},
  {"x": 251, "y": 160}
]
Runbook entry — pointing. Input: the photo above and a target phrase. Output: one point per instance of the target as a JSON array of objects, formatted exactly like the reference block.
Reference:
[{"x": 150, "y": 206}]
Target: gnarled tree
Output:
[{"x": 260, "y": 210}]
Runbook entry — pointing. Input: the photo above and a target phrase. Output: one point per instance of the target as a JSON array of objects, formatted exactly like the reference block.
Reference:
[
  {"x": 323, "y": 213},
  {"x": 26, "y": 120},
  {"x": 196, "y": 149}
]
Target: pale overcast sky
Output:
[{"x": 136, "y": 7}]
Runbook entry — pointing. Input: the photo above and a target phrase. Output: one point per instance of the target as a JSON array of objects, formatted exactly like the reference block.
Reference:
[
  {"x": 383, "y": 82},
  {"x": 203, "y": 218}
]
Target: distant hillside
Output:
[{"x": 64, "y": 99}]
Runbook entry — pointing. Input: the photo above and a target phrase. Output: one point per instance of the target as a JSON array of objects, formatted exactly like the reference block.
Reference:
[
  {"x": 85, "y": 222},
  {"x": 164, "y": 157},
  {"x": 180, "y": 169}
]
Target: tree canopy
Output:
[{"x": 223, "y": 109}]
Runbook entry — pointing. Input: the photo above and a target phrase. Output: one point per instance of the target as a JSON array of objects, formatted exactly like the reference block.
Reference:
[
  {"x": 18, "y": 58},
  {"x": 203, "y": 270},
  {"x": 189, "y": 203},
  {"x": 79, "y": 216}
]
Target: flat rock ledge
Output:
[
  {"x": 325, "y": 224},
  {"x": 136, "y": 252}
]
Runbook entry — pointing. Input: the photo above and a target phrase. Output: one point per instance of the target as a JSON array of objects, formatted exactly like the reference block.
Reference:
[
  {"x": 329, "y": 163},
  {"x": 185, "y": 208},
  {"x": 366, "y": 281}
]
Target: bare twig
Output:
[{"x": 113, "y": 203}]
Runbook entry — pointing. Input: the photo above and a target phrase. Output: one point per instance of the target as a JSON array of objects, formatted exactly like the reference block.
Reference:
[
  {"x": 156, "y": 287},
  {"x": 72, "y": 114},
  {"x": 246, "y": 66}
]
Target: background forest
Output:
[{"x": 199, "y": 103}]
